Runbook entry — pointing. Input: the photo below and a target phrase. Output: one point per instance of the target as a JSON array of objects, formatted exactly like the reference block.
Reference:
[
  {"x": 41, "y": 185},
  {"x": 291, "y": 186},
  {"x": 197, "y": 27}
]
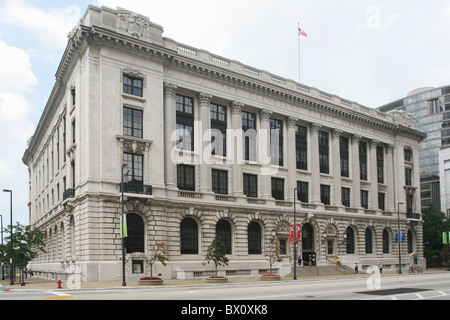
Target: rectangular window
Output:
[
  {"x": 408, "y": 177},
  {"x": 382, "y": 201},
  {"x": 380, "y": 164},
  {"x": 185, "y": 123},
  {"x": 249, "y": 135},
  {"x": 345, "y": 197},
  {"x": 344, "y": 151},
  {"x": 278, "y": 188},
  {"x": 251, "y": 185},
  {"x": 276, "y": 142},
  {"x": 323, "y": 152},
  {"x": 408, "y": 155},
  {"x": 134, "y": 170},
  {"x": 325, "y": 194},
  {"x": 220, "y": 181},
  {"x": 219, "y": 129},
  {"x": 362, "y": 160},
  {"x": 132, "y": 85},
  {"x": 302, "y": 191},
  {"x": 132, "y": 122},
  {"x": 301, "y": 147},
  {"x": 365, "y": 199},
  {"x": 186, "y": 177}
]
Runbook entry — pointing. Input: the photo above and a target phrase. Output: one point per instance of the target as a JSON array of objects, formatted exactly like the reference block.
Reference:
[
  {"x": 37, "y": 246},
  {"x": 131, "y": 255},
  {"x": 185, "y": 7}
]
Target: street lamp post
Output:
[
  {"x": 295, "y": 238},
  {"x": 122, "y": 230},
  {"x": 3, "y": 265},
  {"x": 11, "y": 275},
  {"x": 399, "y": 241}
]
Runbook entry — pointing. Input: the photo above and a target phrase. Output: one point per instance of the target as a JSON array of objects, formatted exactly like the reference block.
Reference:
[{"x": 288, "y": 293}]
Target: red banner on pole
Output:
[{"x": 295, "y": 232}]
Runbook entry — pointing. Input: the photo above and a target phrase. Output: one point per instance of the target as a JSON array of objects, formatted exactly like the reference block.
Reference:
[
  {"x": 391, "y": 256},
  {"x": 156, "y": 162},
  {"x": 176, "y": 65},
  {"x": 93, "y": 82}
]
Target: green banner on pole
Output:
[
  {"x": 123, "y": 226},
  {"x": 445, "y": 239}
]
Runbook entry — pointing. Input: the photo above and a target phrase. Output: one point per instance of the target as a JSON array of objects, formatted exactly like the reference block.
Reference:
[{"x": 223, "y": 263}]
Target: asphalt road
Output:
[{"x": 395, "y": 287}]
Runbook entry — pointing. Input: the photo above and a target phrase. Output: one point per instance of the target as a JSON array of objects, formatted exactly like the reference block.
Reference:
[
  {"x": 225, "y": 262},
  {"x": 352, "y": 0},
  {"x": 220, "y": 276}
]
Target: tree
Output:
[
  {"x": 435, "y": 223},
  {"x": 216, "y": 253},
  {"x": 27, "y": 243},
  {"x": 159, "y": 255},
  {"x": 273, "y": 253}
]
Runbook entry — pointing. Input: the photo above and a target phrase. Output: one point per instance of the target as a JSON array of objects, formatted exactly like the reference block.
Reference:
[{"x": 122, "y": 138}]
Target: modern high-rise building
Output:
[
  {"x": 431, "y": 107},
  {"x": 189, "y": 144}
]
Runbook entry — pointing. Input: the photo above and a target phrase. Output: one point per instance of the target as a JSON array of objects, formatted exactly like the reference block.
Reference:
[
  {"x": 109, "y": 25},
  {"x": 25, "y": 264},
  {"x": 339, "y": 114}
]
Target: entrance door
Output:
[{"x": 308, "y": 244}]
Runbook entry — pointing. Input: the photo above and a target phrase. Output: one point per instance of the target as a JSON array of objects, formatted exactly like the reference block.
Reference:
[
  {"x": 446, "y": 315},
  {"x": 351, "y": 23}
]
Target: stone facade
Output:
[{"x": 115, "y": 101}]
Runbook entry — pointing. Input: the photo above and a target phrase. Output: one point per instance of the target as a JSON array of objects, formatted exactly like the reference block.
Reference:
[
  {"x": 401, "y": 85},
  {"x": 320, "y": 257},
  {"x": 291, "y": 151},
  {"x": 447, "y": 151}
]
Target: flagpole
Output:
[{"x": 299, "y": 65}]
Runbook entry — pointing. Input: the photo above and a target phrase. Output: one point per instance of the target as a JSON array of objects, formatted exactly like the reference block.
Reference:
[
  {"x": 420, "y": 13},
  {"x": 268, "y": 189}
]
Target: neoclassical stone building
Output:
[{"x": 198, "y": 144}]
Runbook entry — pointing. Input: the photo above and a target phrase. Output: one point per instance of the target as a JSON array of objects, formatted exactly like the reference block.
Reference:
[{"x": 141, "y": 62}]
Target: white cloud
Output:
[{"x": 51, "y": 26}]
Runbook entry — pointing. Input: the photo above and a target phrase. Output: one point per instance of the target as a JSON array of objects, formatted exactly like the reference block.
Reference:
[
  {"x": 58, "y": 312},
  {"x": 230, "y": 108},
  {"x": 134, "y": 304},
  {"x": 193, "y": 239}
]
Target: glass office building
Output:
[{"x": 431, "y": 107}]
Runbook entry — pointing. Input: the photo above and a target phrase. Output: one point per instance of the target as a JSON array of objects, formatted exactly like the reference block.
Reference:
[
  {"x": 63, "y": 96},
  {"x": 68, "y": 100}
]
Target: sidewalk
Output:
[{"x": 43, "y": 284}]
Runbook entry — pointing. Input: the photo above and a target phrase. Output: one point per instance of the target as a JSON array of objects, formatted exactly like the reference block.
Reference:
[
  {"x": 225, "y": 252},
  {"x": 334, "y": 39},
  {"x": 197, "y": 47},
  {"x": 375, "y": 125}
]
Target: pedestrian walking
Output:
[
  {"x": 380, "y": 267},
  {"x": 356, "y": 268}
]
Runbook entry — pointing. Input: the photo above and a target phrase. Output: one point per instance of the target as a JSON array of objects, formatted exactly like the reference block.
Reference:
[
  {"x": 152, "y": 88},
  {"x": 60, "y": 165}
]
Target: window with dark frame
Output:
[
  {"x": 188, "y": 236},
  {"x": 380, "y": 164},
  {"x": 365, "y": 199},
  {"x": 382, "y": 201},
  {"x": 301, "y": 147},
  {"x": 249, "y": 135},
  {"x": 276, "y": 145},
  {"x": 220, "y": 181},
  {"x": 254, "y": 238},
  {"x": 136, "y": 234},
  {"x": 278, "y": 188},
  {"x": 324, "y": 152},
  {"x": 186, "y": 177},
  {"x": 250, "y": 185},
  {"x": 345, "y": 197},
  {"x": 132, "y": 85},
  {"x": 302, "y": 191},
  {"x": 134, "y": 170},
  {"x": 185, "y": 122},
  {"x": 325, "y": 194},
  {"x": 344, "y": 152},
  {"x": 219, "y": 128},
  {"x": 408, "y": 177},
  {"x": 132, "y": 122},
  {"x": 362, "y": 160},
  {"x": 223, "y": 230}
]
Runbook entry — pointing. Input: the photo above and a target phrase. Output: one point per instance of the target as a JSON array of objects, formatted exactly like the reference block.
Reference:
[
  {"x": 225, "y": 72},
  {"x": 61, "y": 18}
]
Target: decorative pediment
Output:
[{"x": 134, "y": 145}]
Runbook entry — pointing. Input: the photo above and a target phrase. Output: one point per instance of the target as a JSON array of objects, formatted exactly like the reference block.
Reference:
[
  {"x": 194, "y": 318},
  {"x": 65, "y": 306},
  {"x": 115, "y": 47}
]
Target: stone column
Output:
[
  {"x": 237, "y": 158},
  {"x": 373, "y": 196},
  {"x": 390, "y": 200},
  {"x": 315, "y": 168},
  {"x": 170, "y": 120},
  {"x": 264, "y": 154},
  {"x": 356, "y": 172},
  {"x": 204, "y": 106},
  {"x": 337, "y": 180},
  {"x": 291, "y": 157}
]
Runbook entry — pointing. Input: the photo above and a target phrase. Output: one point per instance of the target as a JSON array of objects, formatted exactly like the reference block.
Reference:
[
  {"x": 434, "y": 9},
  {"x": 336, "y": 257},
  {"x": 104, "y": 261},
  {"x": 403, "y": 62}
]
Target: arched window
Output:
[
  {"x": 307, "y": 237},
  {"x": 136, "y": 235},
  {"x": 254, "y": 238},
  {"x": 369, "y": 244},
  {"x": 386, "y": 242},
  {"x": 350, "y": 241},
  {"x": 223, "y": 229},
  {"x": 189, "y": 236}
]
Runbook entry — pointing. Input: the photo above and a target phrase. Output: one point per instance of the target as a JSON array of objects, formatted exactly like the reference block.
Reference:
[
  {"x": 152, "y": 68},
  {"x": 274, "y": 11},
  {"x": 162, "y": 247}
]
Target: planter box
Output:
[
  {"x": 156, "y": 282},
  {"x": 217, "y": 280},
  {"x": 270, "y": 278}
]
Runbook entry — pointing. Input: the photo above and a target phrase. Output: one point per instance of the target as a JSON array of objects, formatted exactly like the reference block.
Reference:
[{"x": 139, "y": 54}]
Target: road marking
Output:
[
  {"x": 393, "y": 297},
  {"x": 419, "y": 296}
]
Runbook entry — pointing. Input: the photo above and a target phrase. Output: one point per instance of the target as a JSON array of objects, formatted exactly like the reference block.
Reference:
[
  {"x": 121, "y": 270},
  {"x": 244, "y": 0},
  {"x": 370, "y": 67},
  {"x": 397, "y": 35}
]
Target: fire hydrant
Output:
[{"x": 59, "y": 282}]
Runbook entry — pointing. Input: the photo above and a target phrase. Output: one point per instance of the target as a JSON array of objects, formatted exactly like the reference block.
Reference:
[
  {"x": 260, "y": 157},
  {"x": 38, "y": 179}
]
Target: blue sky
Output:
[{"x": 371, "y": 52}]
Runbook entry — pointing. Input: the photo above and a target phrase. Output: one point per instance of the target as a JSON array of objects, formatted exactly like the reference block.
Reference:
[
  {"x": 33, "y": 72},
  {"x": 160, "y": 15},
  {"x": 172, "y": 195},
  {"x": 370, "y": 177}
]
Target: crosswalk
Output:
[{"x": 423, "y": 295}]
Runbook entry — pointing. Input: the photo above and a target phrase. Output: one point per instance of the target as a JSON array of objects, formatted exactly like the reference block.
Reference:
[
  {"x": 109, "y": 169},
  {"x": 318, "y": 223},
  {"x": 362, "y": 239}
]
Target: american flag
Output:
[{"x": 301, "y": 32}]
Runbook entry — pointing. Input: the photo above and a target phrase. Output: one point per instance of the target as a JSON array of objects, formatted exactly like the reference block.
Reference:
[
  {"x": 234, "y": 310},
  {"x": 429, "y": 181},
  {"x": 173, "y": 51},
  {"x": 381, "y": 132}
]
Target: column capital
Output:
[
  {"x": 204, "y": 98},
  {"x": 356, "y": 138},
  {"x": 265, "y": 114},
  {"x": 315, "y": 128},
  {"x": 236, "y": 107},
  {"x": 169, "y": 89},
  {"x": 336, "y": 133},
  {"x": 374, "y": 144},
  {"x": 291, "y": 122},
  {"x": 390, "y": 148}
]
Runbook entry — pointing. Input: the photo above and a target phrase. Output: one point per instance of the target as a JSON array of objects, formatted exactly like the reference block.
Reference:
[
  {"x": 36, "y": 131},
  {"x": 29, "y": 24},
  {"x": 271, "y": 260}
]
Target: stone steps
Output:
[{"x": 313, "y": 271}]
